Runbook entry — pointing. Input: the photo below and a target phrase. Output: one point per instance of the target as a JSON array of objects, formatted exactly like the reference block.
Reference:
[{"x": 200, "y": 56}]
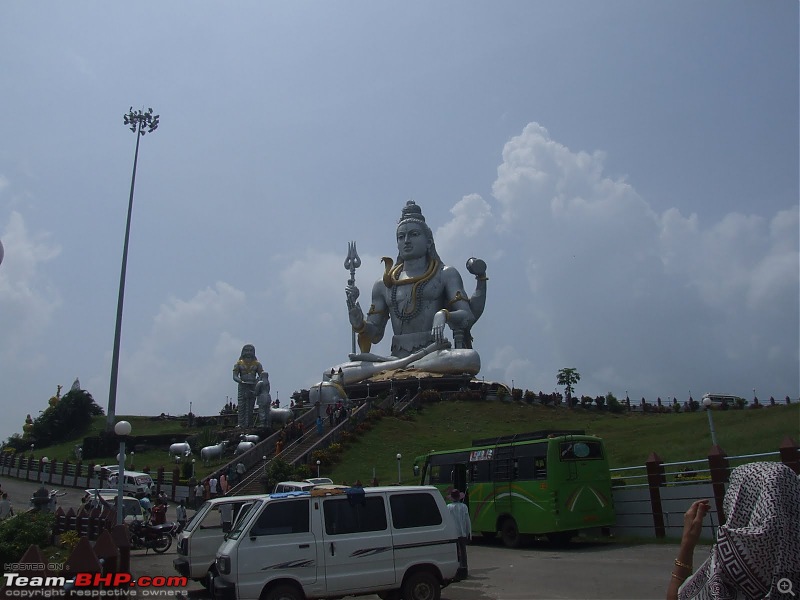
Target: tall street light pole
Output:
[{"x": 140, "y": 122}]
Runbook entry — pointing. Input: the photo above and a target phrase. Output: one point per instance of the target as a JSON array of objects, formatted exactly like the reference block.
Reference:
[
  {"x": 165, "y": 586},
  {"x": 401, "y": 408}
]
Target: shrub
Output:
[
  {"x": 21, "y": 531},
  {"x": 614, "y": 405},
  {"x": 69, "y": 539},
  {"x": 278, "y": 470},
  {"x": 430, "y": 396}
]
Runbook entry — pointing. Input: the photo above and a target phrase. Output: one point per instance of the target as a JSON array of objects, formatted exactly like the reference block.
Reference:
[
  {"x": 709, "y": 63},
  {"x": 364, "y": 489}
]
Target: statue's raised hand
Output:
[
  {"x": 354, "y": 312},
  {"x": 437, "y": 330}
]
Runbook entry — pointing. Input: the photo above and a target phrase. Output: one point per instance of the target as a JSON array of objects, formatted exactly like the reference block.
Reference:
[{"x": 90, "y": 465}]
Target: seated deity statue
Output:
[{"x": 421, "y": 296}]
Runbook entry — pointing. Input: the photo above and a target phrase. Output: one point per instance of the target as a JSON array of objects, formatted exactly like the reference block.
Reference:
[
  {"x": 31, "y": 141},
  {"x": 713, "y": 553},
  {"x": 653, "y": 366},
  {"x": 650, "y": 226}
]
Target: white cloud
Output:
[
  {"x": 28, "y": 298},
  {"x": 592, "y": 277}
]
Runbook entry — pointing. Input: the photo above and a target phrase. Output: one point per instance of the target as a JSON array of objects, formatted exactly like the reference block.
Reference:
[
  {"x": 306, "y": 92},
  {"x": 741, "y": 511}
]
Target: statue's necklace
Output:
[{"x": 417, "y": 285}]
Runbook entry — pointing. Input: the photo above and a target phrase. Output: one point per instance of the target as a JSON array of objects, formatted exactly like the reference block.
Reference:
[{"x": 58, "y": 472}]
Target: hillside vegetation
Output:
[{"x": 629, "y": 437}]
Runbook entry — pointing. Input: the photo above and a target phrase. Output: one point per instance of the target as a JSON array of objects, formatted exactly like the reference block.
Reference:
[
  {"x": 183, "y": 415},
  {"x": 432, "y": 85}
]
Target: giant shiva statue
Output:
[
  {"x": 420, "y": 295},
  {"x": 247, "y": 372}
]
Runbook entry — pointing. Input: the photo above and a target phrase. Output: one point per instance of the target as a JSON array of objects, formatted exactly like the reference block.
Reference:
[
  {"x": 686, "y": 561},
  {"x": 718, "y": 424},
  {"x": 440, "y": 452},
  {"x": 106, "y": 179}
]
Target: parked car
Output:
[
  {"x": 135, "y": 483},
  {"x": 393, "y": 541},
  {"x": 131, "y": 508},
  {"x": 319, "y": 480},
  {"x": 292, "y": 486}
]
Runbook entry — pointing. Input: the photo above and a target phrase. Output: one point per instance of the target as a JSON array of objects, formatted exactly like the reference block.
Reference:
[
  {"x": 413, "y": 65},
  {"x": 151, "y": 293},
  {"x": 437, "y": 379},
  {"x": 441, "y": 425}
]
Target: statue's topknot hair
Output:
[{"x": 411, "y": 212}]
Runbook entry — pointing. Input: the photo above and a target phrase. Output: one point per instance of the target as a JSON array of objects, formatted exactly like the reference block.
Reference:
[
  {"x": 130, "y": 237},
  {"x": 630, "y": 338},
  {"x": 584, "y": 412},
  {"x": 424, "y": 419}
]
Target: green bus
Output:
[{"x": 549, "y": 482}]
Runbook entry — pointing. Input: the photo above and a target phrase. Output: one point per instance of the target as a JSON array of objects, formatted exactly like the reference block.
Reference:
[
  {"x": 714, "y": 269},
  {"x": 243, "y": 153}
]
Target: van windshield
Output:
[
  {"x": 245, "y": 514},
  {"x": 197, "y": 517}
]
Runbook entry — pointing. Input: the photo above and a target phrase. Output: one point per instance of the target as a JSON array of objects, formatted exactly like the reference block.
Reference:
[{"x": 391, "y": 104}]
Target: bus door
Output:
[
  {"x": 460, "y": 477},
  {"x": 502, "y": 476}
]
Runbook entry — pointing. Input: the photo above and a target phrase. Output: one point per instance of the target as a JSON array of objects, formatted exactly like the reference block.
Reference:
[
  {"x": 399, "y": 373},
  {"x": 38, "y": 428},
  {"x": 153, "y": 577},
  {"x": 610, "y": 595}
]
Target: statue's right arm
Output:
[{"x": 373, "y": 325}]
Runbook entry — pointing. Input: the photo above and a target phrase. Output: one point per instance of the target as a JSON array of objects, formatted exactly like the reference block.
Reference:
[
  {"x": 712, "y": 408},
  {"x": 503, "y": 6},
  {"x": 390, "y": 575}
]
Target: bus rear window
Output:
[{"x": 580, "y": 450}]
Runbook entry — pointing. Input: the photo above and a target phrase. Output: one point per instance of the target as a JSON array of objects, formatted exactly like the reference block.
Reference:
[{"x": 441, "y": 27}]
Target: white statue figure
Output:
[
  {"x": 420, "y": 295},
  {"x": 264, "y": 400}
]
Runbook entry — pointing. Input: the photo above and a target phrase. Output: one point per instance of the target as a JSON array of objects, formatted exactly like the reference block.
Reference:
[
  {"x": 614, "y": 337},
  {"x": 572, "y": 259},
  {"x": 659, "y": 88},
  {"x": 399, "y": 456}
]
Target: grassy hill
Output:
[{"x": 629, "y": 437}]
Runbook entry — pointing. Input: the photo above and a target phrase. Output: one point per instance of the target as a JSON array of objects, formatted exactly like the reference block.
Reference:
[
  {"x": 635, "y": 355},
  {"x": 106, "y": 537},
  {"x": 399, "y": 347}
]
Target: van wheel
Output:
[
  {"x": 510, "y": 533},
  {"x": 421, "y": 585},
  {"x": 283, "y": 592}
]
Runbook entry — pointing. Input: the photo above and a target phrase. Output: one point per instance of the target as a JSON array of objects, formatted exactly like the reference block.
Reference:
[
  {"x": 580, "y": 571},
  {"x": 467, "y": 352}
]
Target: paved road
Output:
[{"x": 605, "y": 570}]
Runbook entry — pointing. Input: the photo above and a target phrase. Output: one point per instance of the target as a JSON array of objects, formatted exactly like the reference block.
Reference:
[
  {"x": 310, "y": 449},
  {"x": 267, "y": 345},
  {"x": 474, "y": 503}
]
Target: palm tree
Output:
[{"x": 568, "y": 377}]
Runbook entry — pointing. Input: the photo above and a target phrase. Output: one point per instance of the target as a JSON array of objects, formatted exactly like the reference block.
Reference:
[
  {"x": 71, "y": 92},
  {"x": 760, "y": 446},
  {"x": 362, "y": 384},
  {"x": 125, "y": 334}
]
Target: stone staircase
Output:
[
  {"x": 292, "y": 454},
  {"x": 299, "y": 450}
]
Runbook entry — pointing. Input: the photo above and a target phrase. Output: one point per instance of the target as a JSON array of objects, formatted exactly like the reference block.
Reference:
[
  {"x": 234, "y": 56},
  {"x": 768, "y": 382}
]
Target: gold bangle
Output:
[
  {"x": 682, "y": 564},
  {"x": 678, "y": 577}
]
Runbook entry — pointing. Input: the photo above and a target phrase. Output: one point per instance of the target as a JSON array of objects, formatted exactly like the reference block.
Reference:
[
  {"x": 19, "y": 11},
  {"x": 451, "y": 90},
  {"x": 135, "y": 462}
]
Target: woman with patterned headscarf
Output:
[{"x": 757, "y": 552}]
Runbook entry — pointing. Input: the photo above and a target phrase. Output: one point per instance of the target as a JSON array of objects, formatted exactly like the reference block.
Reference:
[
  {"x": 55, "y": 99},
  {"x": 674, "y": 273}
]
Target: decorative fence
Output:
[
  {"x": 651, "y": 499},
  {"x": 82, "y": 475}
]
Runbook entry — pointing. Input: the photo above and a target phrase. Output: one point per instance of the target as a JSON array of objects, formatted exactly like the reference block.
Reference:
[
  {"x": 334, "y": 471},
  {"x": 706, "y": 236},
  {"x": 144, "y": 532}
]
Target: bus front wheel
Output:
[{"x": 510, "y": 533}]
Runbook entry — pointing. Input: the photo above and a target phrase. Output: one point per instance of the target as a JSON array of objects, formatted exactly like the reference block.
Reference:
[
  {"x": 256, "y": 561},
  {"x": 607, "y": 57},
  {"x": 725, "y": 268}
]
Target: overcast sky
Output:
[{"x": 627, "y": 169}]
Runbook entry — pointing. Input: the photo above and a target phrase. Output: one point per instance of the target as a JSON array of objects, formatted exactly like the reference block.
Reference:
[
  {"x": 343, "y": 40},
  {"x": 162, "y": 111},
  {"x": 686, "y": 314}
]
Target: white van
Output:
[
  {"x": 283, "y": 487},
  {"x": 131, "y": 508},
  {"x": 135, "y": 483},
  {"x": 335, "y": 542},
  {"x": 198, "y": 541},
  {"x": 716, "y": 400}
]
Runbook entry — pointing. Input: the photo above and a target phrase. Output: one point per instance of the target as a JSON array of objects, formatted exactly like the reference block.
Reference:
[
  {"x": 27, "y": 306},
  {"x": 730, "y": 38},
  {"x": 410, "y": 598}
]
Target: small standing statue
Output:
[
  {"x": 264, "y": 400},
  {"x": 247, "y": 372}
]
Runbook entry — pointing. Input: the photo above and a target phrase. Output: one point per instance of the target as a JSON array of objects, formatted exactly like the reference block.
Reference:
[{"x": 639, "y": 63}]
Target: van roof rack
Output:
[{"x": 526, "y": 437}]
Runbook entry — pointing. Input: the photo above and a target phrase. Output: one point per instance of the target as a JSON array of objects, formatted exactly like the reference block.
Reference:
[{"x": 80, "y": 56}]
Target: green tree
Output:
[
  {"x": 568, "y": 377},
  {"x": 67, "y": 418}
]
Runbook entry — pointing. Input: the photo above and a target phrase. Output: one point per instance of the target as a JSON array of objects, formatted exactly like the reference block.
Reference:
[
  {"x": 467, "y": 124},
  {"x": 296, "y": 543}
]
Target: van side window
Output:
[
  {"x": 344, "y": 516},
  {"x": 414, "y": 510},
  {"x": 283, "y": 517}
]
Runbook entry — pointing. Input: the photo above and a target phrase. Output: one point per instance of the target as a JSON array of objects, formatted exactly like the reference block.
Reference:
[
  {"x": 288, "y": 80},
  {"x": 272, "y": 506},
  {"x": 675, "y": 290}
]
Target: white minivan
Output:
[
  {"x": 135, "y": 483},
  {"x": 391, "y": 541},
  {"x": 197, "y": 543}
]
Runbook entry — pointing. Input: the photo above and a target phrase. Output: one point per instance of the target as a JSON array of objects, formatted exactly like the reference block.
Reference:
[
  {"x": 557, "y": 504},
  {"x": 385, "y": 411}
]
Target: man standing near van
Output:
[
  {"x": 460, "y": 514},
  {"x": 226, "y": 517}
]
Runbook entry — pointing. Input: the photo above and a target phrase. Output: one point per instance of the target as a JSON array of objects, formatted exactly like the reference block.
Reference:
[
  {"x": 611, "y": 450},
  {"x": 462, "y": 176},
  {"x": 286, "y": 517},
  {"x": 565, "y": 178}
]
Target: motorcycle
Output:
[
  {"x": 44, "y": 501},
  {"x": 146, "y": 535}
]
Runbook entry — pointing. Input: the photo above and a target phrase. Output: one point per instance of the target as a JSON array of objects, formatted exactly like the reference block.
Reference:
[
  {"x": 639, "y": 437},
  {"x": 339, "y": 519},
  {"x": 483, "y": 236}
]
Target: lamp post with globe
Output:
[
  {"x": 122, "y": 429},
  {"x": 399, "y": 479}
]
